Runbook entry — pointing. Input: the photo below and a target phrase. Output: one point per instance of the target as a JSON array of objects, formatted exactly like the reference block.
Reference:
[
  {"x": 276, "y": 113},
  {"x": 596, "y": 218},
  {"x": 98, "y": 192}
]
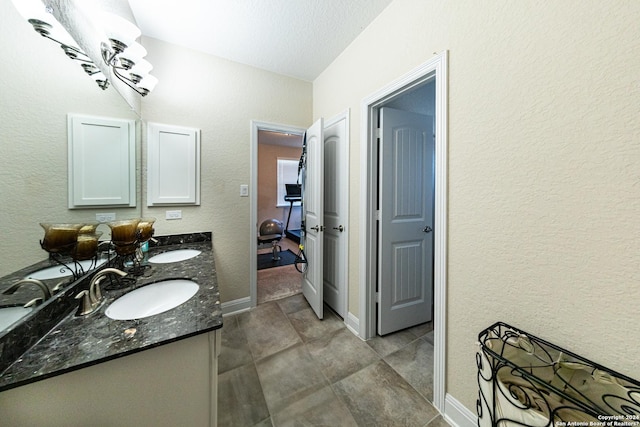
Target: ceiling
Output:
[
  {"x": 279, "y": 138},
  {"x": 297, "y": 38}
]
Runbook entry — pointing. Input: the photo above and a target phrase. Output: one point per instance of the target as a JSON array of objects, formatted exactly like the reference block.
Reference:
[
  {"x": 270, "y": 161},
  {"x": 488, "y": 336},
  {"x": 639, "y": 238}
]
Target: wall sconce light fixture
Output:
[{"x": 120, "y": 51}]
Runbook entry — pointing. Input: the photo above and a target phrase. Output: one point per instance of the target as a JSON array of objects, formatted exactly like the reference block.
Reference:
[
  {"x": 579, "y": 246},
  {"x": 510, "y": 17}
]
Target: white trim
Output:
[
  {"x": 435, "y": 67},
  {"x": 457, "y": 414},
  {"x": 253, "y": 192},
  {"x": 236, "y": 306},
  {"x": 352, "y": 323},
  {"x": 367, "y": 209},
  {"x": 440, "y": 232}
]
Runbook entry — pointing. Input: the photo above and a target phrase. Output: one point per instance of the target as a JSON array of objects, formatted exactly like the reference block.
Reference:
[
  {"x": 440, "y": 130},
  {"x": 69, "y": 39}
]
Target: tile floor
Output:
[{"x": 281, "y": 366}]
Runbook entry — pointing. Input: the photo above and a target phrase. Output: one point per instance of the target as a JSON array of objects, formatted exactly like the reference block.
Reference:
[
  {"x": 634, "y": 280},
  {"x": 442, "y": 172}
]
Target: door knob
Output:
[
  {"x": 427, "y": 229},
  {"x": 316, "y": 228},
  {"x": 340, "y": 228}
]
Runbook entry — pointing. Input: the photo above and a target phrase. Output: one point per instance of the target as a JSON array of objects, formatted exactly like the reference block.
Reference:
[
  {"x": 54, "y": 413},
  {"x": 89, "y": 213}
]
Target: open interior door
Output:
[
  {"x": 336, "y": 203},
  {"x": 405, "y": 262},
  {"x": 313, "y": 213}
]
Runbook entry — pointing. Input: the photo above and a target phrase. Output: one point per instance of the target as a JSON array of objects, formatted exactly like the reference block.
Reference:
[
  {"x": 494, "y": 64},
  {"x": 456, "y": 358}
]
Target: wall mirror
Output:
[{"x": 40, "y": 86}]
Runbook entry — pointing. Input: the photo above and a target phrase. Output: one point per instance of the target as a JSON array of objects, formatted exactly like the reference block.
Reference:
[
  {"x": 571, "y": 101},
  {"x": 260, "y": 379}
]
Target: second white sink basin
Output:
[
  {"x": 174, "y": 256},
  {"x": 152, "y": 299}
]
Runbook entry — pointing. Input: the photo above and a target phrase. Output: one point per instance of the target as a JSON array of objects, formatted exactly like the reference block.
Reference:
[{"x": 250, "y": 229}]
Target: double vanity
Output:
[{"x": 145, "y": 355}]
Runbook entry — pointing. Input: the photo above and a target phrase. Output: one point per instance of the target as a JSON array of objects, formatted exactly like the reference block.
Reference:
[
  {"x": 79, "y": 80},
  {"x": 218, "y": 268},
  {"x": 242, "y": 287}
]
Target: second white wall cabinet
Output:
[{"x": 173, "y": 165}]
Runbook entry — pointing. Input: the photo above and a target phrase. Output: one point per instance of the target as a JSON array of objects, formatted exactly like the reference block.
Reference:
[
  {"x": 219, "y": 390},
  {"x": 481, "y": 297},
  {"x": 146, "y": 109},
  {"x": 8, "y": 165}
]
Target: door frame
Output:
[
  {"x": 253, "y": 216},
  {"x": 436, "y": 68}
]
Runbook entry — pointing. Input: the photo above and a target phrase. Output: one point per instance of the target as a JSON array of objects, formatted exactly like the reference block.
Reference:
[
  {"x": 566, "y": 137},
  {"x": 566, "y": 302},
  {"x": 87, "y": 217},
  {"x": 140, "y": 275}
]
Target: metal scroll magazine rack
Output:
[{"x": 526, "y": 381}]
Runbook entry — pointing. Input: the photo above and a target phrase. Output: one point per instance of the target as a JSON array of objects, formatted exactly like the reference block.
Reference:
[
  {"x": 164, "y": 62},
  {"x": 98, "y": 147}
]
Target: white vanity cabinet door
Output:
[
  {"x": 171, "y": 385},
  {"x": 173, "y": 165},
  {"x": 102, "y": 162}
]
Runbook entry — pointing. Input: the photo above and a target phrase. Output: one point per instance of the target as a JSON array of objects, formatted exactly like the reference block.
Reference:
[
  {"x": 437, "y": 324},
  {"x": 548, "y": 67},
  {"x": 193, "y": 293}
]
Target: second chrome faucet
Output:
[{"x": 35, "y": 301}]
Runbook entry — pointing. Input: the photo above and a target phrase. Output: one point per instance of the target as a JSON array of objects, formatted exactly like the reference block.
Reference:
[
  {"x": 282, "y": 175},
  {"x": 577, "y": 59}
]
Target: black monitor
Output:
[{"x": 294, "y": 190}]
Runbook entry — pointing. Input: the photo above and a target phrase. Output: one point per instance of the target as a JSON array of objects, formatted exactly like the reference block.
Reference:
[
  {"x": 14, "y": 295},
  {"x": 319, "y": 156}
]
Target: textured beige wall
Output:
[
  {"x": 221, "y": 98},
  {"x": 544, "y": 183},
  {"x": 268, "y": 184},
  {"x": 39, "y": 86}
]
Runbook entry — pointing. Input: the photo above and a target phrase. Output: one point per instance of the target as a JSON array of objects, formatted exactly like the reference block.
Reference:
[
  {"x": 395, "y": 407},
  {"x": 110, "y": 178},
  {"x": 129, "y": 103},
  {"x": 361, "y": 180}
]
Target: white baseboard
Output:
[
  {"x": 458, "y": 415},
  {"x": 236, "y": 306},
  {"x": 352, "y": 323}
]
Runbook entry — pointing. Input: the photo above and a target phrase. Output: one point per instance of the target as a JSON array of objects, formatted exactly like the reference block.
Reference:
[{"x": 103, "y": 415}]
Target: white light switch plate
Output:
[{"x": 244, "y": 190}]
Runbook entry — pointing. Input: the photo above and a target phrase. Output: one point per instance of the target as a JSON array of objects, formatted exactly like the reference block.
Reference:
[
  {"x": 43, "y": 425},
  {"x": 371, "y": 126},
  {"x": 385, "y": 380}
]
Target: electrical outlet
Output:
[
  {"x": 105, "y": 217},
  {"x": 173, "y": 214},
  {"x": 244, "y": 190}
]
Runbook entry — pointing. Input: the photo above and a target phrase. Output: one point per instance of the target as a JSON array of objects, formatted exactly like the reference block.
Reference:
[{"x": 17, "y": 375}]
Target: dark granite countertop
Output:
[{"x": 78, "y": 342}]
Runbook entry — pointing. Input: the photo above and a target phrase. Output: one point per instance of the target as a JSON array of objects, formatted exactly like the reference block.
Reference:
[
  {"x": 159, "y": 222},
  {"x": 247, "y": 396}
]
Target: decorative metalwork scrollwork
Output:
[{"x": 526, "y": 381}]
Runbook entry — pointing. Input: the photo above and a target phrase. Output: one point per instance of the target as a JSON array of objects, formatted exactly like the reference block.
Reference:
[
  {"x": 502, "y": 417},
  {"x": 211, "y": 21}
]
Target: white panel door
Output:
[
  {"x": 335, "y": 201},
  {"x": 405, "y": 263},
  {"x": 313, "y": 212}
]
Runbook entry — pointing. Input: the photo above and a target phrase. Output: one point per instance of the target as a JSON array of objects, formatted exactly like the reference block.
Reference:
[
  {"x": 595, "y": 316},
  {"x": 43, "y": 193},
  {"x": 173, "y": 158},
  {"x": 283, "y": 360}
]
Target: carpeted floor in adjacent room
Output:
[{"x": 279, "y": 282}]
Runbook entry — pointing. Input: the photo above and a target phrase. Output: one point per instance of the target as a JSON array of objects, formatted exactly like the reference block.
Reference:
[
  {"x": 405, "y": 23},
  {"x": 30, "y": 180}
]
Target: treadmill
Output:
[{"x": 294, "y": 194}]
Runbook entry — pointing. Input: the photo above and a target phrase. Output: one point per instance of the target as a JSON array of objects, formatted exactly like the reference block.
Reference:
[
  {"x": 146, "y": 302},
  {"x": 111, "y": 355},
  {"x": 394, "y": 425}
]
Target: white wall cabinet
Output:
[
  {"x": 173, "y": 165},
  {"x": 102, "y": 163}
]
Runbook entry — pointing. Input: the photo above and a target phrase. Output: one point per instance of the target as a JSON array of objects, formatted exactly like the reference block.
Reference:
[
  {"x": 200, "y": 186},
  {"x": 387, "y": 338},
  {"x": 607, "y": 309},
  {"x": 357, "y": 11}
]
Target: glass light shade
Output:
[
  {"x": 142, "y": 68},
  {"x": 86, "y": 246},
  {"x": 33, "y": 9},
  {"x": 36, "y": 10},
  {"x": 59, "y": 238},
  {"x": 124, "y": 232},
  {"x": 134, "y": 52},
  {"x": 118, "y": 28},
  {"x": 145, "y": 228},
  {"x": 125, "y": 248},
  {"x": 89, "y": 228},
  {"x": 149, "y": 82},
  {"x": 99, "y": 76},
  {"x": 59, "y": 33},
  {"x": 90, "y": 68}
]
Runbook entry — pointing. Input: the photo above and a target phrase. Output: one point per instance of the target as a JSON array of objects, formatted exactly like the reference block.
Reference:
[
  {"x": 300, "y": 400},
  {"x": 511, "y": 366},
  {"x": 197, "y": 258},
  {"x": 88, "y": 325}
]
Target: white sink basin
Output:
[
  {"x": 59, "y": 271},
  {"x": 152, "y": 299},
  {"x": 174, "y": 256},
  {"x": 10, "y": 315}
]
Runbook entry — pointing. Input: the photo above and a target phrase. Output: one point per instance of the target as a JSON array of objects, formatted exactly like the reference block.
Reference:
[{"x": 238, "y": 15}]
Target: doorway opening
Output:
[
  {"x": 333, "y": 181},
  {"x": 275, "y": 153},
  {"x": 430, "y": 76}
]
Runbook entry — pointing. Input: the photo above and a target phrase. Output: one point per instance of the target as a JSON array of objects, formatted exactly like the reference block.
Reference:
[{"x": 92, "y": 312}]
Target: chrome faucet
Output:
[
  {"x": 95, "y": 295},
  {"x": 19, "y": 283},
  {"x": 90, "y": 299}
]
